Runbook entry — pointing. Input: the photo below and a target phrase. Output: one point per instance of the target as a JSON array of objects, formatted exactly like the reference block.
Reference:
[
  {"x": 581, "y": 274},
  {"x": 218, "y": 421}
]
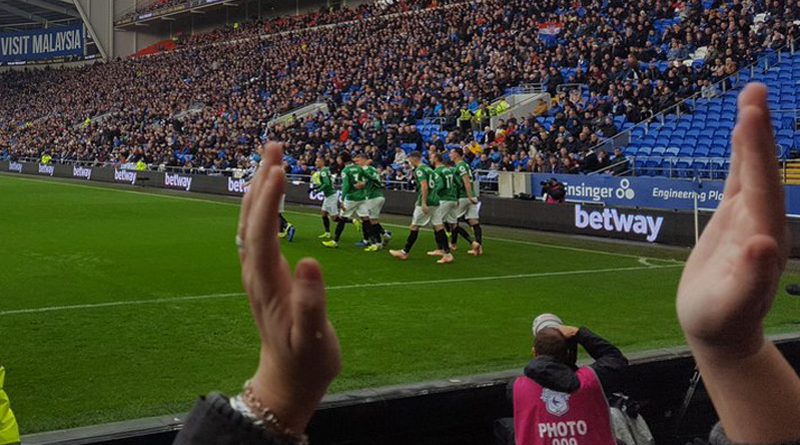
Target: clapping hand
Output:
[
  {"x": 299, "y": 349},
  {"x": 731, "y": 277},
  {"x": 729, "y": 284}
]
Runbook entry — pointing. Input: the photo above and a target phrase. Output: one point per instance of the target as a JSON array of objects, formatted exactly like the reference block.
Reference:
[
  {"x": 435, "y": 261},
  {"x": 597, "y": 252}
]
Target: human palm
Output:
[
  {"x": 731, "y": 277},
  {"x": 299, "y": 350}
]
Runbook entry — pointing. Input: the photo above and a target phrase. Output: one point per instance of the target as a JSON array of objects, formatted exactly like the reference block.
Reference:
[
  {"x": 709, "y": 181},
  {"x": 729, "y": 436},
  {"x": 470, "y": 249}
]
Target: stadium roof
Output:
[{"x": 17, "y": 15}]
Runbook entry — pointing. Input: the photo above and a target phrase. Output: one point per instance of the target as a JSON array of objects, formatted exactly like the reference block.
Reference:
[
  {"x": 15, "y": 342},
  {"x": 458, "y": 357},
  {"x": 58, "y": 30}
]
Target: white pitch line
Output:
[
  {"x": 308, "y": 214},
  {"x": 333, "y": 288}
]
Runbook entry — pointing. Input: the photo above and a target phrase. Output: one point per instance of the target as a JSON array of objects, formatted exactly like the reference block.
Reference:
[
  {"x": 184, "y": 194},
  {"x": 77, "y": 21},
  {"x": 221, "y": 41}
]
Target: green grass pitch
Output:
[{"x": 119, "y": 304}]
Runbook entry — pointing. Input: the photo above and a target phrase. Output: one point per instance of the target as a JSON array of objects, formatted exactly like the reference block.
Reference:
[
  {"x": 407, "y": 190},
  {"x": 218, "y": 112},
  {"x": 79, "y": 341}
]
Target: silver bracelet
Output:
[{"x": 249, "y": 406}]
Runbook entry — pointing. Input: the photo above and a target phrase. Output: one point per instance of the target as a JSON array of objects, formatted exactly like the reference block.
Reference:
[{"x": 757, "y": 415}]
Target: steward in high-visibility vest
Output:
[
  {"x": 141, "y": 166},
  {"x": 464, "y": 119},
  {"x": 479, "y": 115},
  {"x": 9, "y": 430},
  {"x": 502, "y": 107}
]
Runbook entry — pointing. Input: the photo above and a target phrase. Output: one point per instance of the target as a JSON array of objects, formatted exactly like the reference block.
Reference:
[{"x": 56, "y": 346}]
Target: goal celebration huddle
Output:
[{"x": 446, "y": 194}]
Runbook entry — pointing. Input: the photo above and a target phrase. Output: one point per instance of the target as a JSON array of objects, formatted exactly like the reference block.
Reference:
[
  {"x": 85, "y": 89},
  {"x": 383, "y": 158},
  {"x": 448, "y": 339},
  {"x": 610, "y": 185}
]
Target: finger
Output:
[
  {"x": 754, "y": 94},
  {"x": 241, "y": 230},
  {"x": 308, "y": 305},
  {"x": 252, "y": 195},
  {"x": 262, "y": 233},
  {"x": 273, "y": 154},
  {"x": 755, "y": 148},
  {"x": 758, "y": 270}
]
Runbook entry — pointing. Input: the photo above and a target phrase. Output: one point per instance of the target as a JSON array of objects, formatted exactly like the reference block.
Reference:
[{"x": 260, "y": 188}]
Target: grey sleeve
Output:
[{"x": 718, "y": 437}]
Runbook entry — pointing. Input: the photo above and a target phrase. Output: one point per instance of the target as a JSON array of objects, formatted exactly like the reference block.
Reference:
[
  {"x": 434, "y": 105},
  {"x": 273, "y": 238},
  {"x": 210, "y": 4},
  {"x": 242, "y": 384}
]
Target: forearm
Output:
[
  {"x": 756, "y": 397},
  {"x": 598, "y": 347},
  {"x": 610, "y": 363},
  {"x": 468, "y": 187}
]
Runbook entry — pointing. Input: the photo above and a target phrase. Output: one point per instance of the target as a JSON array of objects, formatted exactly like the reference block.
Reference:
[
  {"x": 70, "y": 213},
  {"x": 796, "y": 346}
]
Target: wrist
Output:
[
  {"x": 293, "y": 408},
  {"x": 726, "y": 352}
]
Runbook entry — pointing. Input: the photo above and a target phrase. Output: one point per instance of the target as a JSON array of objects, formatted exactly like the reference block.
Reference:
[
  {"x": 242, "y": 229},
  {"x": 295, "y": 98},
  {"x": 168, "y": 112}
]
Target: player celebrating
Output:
[
  {"x": 353, "y": 195},
  {"x": 426, "y": 211},
  {"x": 374, "y": 204},
  {"x": 323, "y": 182},
  {"x": 468, "y": 205},
  {"x": 447, "y": 192}
]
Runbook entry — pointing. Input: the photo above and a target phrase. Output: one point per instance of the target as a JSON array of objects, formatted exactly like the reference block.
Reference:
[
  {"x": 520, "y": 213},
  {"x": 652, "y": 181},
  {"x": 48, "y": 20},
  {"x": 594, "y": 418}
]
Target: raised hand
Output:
[
  {"x": 732, "y": 274},
  {"x": 299, "y": 350},
  {"x": 728, "y": 286}
]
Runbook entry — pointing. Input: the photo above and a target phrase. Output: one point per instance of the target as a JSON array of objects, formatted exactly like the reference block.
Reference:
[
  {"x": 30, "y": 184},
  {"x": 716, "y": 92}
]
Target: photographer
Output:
[
  {"x": 556, "y": 399},
  {"x": 553, "y": 192}
]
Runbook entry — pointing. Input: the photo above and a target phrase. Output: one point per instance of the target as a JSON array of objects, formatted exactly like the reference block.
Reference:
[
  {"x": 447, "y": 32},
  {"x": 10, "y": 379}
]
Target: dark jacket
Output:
[
  {"x": 609, "y": 365},
  {"x": 213, "y": 421}
]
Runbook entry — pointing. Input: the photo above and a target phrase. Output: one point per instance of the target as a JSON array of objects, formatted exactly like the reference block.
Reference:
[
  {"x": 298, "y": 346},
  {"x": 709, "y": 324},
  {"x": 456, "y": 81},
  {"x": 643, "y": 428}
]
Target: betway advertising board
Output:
[
  {"x": 651, "y": 193},
  {"x": 592, "y": 214}
]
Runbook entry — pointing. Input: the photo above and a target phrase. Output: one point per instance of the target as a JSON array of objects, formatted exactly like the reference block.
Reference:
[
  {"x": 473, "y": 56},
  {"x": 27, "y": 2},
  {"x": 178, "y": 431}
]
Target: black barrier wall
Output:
[
  {"x": 455, "y": 413},
  {"x": 655, "y": 226}
]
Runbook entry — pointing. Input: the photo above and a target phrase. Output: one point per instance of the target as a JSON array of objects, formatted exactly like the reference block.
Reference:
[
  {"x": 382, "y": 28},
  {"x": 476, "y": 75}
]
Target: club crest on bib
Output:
[{"x": 556, "y": 403}]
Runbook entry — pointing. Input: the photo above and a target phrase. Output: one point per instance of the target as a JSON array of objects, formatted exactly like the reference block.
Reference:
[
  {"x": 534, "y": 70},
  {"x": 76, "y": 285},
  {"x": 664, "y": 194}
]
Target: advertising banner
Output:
[
  {"x": 652, "y": 193},
  {"x": 606, "y": 207},
  {"x": 648, "y": 193},
  {"x": 42, "y": 44}
]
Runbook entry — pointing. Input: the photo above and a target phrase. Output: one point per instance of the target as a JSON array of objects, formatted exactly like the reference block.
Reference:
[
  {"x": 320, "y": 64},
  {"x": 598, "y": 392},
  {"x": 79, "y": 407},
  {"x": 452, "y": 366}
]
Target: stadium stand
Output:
[
  {"x": 208, "y": 104},
  {"x": 695, "y": 144}
]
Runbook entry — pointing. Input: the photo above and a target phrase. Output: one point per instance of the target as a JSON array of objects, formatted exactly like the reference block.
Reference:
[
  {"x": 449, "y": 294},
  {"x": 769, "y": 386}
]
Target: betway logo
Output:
[
  {"x": 45, "y": 169},
  {"x": 15, "y": 167},
  {"x": 82, "y": 172},
  {"x": 125, "y": 176},
  {"x": 611, "y": 220},
  {"x": 178, "y": 181},
  {"x": 238, "y": 186}
]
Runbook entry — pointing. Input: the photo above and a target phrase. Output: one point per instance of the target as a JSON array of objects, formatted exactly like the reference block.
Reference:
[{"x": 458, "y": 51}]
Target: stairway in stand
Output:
[{"x": 792, "y": 173}]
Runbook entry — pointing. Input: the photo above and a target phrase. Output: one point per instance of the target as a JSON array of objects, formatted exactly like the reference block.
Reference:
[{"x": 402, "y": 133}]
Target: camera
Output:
[{"x": 553, "y": 192}]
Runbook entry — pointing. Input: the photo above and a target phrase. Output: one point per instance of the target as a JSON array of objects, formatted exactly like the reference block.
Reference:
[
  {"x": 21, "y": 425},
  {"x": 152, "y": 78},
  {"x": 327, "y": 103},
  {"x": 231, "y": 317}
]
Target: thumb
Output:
[
  {"x": 307, "y": 303},
  {"x": 759, "y": 270}
]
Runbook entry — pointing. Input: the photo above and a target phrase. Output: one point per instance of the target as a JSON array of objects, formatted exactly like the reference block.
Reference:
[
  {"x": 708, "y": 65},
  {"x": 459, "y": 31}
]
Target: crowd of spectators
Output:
[
  {"x": 208, "y": 105},
  {"x": 154, "y": 6}
]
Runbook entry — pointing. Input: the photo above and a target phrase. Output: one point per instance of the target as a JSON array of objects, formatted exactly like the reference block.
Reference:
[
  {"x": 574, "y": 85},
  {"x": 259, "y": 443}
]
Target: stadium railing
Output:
[{"x": 765, "y": 61}]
